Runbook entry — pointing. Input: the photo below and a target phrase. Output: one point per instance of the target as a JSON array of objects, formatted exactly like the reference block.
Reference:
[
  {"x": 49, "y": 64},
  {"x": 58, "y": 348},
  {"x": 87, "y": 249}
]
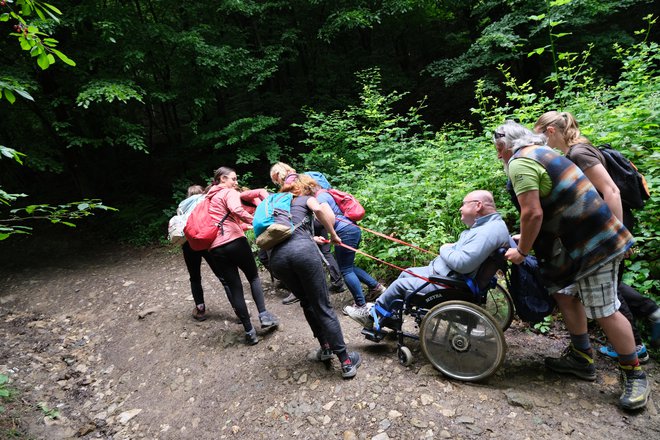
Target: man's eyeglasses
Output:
[{"x": 465, "y": 202}]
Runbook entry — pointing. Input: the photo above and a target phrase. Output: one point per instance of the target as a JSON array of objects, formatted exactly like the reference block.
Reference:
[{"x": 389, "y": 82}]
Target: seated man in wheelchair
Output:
[{"x": 487, "y": 232}]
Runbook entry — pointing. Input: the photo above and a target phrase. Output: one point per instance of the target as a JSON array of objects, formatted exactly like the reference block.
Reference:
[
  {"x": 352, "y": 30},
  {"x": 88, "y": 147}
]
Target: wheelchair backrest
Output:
[{"x": 489, "y": 268}]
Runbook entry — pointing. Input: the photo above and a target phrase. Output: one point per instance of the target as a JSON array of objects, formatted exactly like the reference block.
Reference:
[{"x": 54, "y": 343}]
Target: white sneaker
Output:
[{"x": 361, "y": 315}]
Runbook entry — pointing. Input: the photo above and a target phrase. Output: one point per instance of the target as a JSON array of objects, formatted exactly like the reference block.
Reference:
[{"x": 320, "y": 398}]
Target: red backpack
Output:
[
  {"x": 200, "y": 229},
  {"x": 347, "y": 203}
]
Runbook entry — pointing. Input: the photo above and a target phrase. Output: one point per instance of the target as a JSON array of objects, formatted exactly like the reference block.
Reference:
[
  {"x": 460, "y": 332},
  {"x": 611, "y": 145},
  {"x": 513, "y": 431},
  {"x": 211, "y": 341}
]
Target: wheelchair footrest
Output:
[{"x": 373, "y": 335}]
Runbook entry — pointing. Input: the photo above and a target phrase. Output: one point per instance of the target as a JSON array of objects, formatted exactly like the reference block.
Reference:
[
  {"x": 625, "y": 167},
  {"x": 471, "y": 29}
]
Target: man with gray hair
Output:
[
  {"x": 487, "y": 232},
  {"x": 576, "y": 239}
]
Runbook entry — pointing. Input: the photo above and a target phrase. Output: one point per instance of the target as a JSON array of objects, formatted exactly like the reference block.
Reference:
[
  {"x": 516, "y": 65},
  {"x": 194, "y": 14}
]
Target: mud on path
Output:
[{"x": 103, "y": 334}]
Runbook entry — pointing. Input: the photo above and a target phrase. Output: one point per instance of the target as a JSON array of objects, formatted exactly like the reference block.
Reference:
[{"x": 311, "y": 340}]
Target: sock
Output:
[
  {"x": 201, "y": 307},
  {"x": 582, "y": 343},
  {"x": 325, "y": 346},
  {"x": 629, "y": 360},
  {"x": 343, "y": 357}
]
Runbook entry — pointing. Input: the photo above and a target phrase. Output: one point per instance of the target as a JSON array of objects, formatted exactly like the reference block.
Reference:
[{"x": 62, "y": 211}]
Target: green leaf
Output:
[
  {"x": 10, "y": 96},
  {"x": 42, "y": 61},
  {"x": 63, "y": 57},
  {"x": 537, "y": 17}
]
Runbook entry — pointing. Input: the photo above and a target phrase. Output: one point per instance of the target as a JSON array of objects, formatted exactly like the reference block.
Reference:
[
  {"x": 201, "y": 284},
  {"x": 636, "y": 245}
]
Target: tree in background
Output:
[{"x": 44, "y": 49}]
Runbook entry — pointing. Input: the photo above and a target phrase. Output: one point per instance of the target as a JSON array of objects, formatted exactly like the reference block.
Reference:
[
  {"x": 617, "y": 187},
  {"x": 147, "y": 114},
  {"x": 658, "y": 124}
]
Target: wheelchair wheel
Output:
[
  {"x": 500, "y": 305},
  {"x": 462, "y": 340},
  {"x": 405, "y": 356}
]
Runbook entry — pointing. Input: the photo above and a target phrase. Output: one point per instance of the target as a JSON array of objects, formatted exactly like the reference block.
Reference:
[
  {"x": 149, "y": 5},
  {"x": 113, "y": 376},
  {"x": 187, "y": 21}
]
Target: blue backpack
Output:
[
  {"x": 320, "y": 179},
  {"x": 531, "y": 298},
  {"x": 272, "y": 222}
]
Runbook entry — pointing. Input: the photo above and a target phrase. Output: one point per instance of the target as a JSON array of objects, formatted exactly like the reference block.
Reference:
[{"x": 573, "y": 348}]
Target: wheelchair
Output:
[{"x": 460, "y": 324}]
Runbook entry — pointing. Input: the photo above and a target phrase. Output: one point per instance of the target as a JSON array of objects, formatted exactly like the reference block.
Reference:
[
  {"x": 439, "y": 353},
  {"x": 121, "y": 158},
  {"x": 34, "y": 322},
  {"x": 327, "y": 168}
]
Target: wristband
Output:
[{"x": 521, "y": 253}]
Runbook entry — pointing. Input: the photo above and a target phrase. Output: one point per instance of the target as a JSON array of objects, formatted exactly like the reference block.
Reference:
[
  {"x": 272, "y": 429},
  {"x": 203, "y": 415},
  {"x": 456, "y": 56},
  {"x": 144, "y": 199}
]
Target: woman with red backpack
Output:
[{"x": 231, "y": 251}]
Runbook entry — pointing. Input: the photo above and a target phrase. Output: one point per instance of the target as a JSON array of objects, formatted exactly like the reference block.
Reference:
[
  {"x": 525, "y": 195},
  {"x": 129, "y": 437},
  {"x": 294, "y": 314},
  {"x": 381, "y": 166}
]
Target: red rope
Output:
[
  {"x": 389, "y": 237},
  {"x": 388, "y": 264}
]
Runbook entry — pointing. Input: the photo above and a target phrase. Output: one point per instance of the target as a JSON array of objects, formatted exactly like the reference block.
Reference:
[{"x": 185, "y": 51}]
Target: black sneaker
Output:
[
  {"x": 636, "y": 388},
  {"x": 199, "y": 313},
  {"x": 251, "y": 337},
  {"x": 268, "y": 320},
  {"x": 339, "y": 288},
  {"x": 350, "y": 366},
  {"x": 574, "y": 362},
  {"x": 290, "y": 299}
]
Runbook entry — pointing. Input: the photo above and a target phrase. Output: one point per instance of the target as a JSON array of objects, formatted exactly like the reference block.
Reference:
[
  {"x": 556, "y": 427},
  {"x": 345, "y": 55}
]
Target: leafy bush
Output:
[{"x": 411, "y": 180}]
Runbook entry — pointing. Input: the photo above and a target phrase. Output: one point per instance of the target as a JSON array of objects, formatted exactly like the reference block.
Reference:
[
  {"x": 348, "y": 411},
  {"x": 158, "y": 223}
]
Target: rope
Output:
[
  {"x": 389, "y": 264},
  {"x": 389, "y": 237}
]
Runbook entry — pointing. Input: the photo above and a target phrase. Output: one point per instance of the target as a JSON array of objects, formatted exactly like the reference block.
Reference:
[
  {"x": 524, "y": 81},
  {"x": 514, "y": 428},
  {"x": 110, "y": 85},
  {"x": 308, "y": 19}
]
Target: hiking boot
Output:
[
  {"x": 642, "y": 353},
  {"x": 574, "y": 362},
  {"x": 360, "y": 314},
  {"x": 200, "y": 313},
  {"x": 350, "y": 365},
  {"x": 636, "y": 388},
  {"x": 251, "y": 337},
  {"x": 268, "y": 320},
  {"x": 290, "y": 299},
  {"x": 375, "y": 292},
  {"x": 324, "y": 354}
]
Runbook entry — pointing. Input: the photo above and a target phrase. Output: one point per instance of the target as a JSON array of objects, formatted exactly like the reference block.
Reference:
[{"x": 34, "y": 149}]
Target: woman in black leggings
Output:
[
  {"x": 231, "y": 251},
  {"x": 297, "y": 262}
]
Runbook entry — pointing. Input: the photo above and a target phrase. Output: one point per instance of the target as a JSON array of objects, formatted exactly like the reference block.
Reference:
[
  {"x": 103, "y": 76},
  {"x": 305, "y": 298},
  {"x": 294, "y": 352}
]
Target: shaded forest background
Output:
[{"x": 392, "y": 99}]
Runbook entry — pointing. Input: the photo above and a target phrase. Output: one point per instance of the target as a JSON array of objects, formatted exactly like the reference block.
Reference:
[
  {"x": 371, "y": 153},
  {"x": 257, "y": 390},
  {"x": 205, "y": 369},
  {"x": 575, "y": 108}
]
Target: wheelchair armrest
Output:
[{"x": 451, "y": 282}]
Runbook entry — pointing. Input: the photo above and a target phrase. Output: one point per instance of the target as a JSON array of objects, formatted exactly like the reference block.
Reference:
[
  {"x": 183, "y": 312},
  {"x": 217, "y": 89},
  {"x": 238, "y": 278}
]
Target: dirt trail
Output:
[{"x": 104, "y": 335}]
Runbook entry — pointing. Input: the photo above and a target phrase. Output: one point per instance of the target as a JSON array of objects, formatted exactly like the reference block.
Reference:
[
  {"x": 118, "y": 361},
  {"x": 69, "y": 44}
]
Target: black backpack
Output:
[{"x": 632, "y": 185}]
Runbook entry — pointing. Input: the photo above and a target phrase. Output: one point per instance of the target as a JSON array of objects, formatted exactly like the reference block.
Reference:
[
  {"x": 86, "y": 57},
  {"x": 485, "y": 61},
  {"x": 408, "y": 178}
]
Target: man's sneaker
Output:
[
  {"x": 360, "y": 314},
  {"x": 574, "y": 362},
  {"x": 324, "y": 354},
  {"x": 199, "y": 313},
  {"x": 642, "y": 353},
  {"x": 251, "y": 337},
  {"x": 290, "y": 299},
  {"x": 636, "y": 388},
  {"x": 655, "y": 334},
  {"x": 350, "y": 365},
  {"x": 374, "y": 293},
  {"x": 268, "y": 320}
]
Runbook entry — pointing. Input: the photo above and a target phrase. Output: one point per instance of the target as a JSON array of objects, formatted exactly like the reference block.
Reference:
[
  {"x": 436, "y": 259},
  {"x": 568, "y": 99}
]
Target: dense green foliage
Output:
[{"x": 394, "y": 99}]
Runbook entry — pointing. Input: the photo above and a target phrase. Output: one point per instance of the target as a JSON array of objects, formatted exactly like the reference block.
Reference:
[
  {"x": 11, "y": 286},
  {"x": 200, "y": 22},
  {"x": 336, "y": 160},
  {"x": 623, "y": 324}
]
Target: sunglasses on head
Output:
[{"x": 497, "y": 135}]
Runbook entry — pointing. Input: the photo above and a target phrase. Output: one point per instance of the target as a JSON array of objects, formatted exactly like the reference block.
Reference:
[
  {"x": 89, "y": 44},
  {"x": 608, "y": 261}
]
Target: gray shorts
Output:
[{"x": 597, "y": 291}]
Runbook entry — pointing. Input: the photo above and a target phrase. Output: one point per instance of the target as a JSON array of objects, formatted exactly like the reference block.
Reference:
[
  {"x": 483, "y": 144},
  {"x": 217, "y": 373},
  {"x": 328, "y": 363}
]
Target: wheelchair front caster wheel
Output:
[{"x": 405, "y": 356}]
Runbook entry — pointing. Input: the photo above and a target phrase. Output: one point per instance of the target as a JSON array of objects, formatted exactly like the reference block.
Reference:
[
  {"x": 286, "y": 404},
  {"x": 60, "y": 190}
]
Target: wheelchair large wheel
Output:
[
  {"x": 462, "y": 340},
  {"x": 500, "y": 305}
]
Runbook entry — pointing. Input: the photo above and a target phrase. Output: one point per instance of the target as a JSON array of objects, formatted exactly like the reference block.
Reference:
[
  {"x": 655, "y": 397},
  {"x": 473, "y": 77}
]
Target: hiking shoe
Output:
[
  {"x": 574, "y": 362},
  {"x": 375, "y": 292},
  {"x": 636, "y": 388},
  {"x": 324, "y": 354},
  {"x": 350, "y": 365},
  {"x": 360, "y": 314},
  {"x": 251, "y": 337},
  {"x": 268, "y": 320},
  {"x": 290, "y": 299},
  {"x": 655, "y": 334},
  {"x": 199, "y": 314},
  {"x": 642, "y": 353}
]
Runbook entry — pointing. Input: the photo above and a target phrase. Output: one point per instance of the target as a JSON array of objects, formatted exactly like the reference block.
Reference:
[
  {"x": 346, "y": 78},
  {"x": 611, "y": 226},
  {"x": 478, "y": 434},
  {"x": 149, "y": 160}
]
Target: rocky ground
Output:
[{"x": 98, "y": 342}]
